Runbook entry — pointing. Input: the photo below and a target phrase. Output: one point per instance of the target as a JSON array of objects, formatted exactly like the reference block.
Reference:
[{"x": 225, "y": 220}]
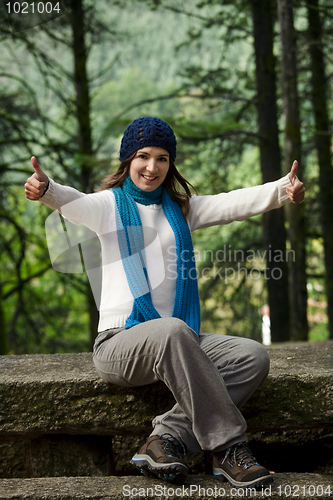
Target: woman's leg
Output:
[
  {"x": 167, "y": 349},
  {"x": 242, "y": 364}
]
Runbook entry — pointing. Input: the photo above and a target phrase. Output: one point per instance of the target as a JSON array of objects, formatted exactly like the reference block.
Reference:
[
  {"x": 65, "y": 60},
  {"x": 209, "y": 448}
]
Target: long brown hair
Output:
[{"x": 172, "y": 182}]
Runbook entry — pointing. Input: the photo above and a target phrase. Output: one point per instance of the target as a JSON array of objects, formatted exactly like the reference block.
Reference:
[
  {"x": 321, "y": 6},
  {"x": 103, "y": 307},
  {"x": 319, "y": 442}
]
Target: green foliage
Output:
[
  {"x": 192, "y": 65},
  {"x": 232, "y": 287},
  {"x": 43, "y": 309}
]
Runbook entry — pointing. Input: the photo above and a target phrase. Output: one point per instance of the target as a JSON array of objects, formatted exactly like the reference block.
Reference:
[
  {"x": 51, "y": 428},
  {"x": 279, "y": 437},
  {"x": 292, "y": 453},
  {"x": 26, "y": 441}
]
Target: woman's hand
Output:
[
  {"x": 296, "y": 191},
  {"x": 36, "y": 184}
]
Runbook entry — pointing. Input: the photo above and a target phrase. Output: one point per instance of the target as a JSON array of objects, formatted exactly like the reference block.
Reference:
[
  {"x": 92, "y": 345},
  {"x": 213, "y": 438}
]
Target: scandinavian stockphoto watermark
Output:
[
  {"x": 76, "y": 249},
  {"x": 229, "y": 264},
  {"x": 25, "y": 15}
]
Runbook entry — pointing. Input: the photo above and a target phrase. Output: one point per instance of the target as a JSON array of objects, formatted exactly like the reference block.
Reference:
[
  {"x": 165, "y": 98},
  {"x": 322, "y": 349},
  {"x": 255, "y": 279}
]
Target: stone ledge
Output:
[
  {"x": 58, "y": 418},
  {"x": 62, "y": 393},
  {"x": 303, "y": 486}
]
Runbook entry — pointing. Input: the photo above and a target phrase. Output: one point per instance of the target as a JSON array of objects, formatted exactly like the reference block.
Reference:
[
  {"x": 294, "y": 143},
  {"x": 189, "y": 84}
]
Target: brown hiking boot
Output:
[
  {"x": 164, "y": 457},
  {"x": 238, "y": 466}
]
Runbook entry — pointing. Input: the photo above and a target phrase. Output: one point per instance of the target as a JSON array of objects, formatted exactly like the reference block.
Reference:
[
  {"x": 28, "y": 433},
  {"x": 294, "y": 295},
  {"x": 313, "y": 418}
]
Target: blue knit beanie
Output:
[{"x": 147, "y": 131}]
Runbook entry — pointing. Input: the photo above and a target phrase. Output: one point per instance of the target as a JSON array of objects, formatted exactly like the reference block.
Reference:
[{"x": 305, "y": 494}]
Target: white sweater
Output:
[{"x": 97, "y": 212}]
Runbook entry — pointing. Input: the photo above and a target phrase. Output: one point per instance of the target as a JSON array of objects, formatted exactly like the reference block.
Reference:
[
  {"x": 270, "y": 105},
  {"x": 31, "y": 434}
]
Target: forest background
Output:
[{"x": 246, "y": 85}]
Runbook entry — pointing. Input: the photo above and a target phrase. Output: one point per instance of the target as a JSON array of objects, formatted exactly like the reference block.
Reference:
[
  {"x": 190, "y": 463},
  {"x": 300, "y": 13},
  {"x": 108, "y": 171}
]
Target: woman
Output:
[{"x": 149, "y": 326}]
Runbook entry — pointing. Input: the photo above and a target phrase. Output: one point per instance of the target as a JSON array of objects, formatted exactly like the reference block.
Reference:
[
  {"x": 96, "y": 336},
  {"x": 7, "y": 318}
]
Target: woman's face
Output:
[{"x": 149, "y": 168}]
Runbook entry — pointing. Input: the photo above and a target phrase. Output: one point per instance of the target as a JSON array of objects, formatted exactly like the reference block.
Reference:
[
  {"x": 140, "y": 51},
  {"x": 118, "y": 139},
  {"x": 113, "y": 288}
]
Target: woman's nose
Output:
[{"x": 152, "y": 166}]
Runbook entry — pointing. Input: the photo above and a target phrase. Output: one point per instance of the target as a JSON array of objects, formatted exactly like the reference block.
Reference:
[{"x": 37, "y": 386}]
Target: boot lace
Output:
[
  {"x": 240, "y": 455},
  {"x": 173, "y": 446}
]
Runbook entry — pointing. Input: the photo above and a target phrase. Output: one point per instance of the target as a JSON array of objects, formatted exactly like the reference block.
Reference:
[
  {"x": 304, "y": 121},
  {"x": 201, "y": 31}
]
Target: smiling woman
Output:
[
  {"x": 147, "y": 152},
  {"x": 149, "y": 328}
]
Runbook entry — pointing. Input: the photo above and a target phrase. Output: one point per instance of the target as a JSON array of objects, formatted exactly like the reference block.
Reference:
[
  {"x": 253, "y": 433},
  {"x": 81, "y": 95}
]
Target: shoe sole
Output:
[
  {"x": 222, "y": 475},
  {"x": 175, "y": 473}
]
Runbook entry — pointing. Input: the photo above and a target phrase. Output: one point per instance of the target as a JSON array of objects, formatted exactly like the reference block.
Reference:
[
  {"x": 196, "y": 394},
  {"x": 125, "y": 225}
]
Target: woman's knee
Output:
[
  {"x": 174, "y": 328},
  {"x": 173, "y": 338},
  {"x": 259, "y": 357}
]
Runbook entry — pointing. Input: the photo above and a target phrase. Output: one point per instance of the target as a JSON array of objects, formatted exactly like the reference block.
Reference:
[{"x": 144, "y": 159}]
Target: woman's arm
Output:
[
  {"x": 39, "y": 187},
  {"x": 241, "y": 204},
  {"x": 91, "y": 210}
]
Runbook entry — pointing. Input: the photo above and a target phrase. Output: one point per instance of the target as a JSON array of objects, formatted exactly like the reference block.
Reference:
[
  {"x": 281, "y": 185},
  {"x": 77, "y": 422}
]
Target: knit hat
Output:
[{"x": 147, "y": 131}]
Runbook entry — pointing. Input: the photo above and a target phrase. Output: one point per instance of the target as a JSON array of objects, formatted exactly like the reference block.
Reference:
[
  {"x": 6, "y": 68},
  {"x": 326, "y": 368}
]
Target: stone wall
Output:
[{"x": 57, "y": 418}]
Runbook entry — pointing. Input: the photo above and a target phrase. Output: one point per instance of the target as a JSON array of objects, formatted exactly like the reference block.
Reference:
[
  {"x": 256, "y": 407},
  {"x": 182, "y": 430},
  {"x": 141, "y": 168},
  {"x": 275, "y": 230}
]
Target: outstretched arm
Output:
[
  {"x": 241, "y": 204},
  {"x": 39, "y": 187},
  {"x": 92, "y": 210}
]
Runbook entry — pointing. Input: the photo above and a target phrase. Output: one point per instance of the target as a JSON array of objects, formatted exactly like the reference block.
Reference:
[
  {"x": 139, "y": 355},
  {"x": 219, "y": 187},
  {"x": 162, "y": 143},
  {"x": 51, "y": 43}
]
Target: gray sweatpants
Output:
[{"x": 210, "y": 377}]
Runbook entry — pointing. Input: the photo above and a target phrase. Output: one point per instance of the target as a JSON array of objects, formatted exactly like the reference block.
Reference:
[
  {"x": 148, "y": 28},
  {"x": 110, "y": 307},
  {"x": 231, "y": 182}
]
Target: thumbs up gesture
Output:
[
  {"x": 296, "y": 191},
  {"x": 36, "y": 184}
]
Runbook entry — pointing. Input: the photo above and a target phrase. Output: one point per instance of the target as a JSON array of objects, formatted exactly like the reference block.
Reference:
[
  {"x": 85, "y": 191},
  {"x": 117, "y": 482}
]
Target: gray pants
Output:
[{"x": 210, "y": 377}]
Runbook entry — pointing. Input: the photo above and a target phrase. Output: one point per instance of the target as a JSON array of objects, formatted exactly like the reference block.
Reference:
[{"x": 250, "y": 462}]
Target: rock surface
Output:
[
  {"x": 302, "y": 486},
  {"x": 57, "y": 418},
  {"x": 62, "y": 393}
]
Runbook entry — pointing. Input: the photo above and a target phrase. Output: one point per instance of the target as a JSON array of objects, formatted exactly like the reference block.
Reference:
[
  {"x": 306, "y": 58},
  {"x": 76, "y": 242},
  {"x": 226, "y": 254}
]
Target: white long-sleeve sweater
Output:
[{"x": 97, "y": 212}]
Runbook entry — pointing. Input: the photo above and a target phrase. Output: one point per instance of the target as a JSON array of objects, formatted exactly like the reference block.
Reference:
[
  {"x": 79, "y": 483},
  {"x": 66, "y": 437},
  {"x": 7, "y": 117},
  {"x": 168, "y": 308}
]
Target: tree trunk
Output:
[
  {"x": 84, "y": 126},
  {"x": 270, "y": 160},
  {"x": 296, "y": 214},
  {"x": 82, "y": 94},
  {"x": 323, "y": 145}
]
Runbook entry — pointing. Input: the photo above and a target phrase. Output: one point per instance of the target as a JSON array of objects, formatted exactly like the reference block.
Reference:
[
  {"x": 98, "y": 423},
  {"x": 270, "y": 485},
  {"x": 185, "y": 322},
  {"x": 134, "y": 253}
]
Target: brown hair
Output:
[{"x": 172, "y": 182}]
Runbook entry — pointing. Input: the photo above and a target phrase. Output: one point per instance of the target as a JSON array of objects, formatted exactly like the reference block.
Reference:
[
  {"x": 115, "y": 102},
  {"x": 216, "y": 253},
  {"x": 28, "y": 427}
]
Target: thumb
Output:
[
  {"x": 39, "y": 172},
  {"x": 293, "y": 172}
]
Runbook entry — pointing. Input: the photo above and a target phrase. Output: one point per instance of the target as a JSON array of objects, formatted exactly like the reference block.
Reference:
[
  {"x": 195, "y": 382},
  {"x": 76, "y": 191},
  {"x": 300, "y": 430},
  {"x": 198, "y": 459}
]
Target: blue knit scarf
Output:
[{"x": 131, "y": 246}]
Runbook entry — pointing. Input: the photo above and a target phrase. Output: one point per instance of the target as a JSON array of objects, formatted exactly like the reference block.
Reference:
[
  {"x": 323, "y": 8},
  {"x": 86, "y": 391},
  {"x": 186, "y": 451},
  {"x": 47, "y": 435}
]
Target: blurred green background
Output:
[{"x": 244, "y": 84}]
